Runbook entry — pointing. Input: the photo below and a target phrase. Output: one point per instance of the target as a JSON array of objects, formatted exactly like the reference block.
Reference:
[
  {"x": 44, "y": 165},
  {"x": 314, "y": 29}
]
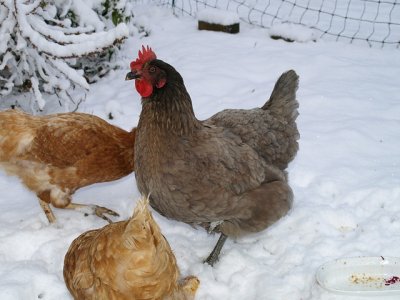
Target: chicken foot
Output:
[
  {"x": 214, "y": 255},
  {"x": 92, "y": 209}
]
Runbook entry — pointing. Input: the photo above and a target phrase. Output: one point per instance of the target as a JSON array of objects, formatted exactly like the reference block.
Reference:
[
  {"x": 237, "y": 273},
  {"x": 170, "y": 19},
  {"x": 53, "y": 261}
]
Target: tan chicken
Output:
[
  {"x": 55, "y": 155},
  {"x": 126, "y": 260},
  {"x": 226, "y": 173}
]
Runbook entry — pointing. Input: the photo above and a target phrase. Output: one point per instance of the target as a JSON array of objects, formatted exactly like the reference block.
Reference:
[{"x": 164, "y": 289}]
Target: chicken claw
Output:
[
  {"x": 100, "y": 211},
  {"x": 93, "y": 209}
]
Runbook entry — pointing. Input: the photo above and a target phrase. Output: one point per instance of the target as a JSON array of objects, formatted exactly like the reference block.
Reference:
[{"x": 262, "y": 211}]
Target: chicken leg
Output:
[
  {"x": 214, "y": 255},
  {"x": 87, "y": 209},
  {"x": 272, "y": 200},
  {"x": 47, "y": 210},
  {"x": 45, "y": 199}
]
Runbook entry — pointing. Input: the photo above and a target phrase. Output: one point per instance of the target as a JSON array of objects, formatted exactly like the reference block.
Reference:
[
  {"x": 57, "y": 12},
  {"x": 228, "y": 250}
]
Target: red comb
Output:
[{"x": 145, "y": 55}]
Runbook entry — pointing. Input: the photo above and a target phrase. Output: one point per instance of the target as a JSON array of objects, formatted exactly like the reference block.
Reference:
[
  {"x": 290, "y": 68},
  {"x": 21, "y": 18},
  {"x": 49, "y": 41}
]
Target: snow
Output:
[
  {"x": 345, "y": 177},
  {"x": 36, "y": 38},
  {"x": 293, "y": 32},
  {"x": 87, "y": 15},
  {"x": 72, "y": 74},
  {"x": 218, "y": 16},
  {"x": 35, "y": 86},
  {"x": 80, "y": 46}
]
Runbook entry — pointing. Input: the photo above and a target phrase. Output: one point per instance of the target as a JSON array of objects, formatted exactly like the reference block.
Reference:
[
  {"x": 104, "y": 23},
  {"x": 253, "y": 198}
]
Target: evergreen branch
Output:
[
  {"x": 31, "y": 8},
  {"x": 41, "y": 53}
]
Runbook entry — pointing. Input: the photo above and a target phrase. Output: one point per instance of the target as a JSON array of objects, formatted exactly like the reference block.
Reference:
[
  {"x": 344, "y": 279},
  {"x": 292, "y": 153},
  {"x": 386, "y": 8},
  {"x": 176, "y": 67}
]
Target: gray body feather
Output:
[{"x": 228, "y": 168}]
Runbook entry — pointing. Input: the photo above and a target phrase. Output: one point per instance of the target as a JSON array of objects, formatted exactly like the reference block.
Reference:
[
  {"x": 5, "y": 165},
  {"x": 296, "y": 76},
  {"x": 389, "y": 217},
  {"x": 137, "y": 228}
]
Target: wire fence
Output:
[{"x": 374, "y": 22}]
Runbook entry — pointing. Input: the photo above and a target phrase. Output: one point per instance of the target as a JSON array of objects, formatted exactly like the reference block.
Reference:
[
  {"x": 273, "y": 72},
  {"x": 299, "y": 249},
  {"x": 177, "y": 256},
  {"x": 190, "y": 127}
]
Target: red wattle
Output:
[{"x": 144, "y": 88}]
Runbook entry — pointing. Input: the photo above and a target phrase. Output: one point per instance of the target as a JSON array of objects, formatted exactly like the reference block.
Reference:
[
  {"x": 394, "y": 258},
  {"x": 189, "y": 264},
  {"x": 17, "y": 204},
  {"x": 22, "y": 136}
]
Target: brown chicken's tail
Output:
[
  {"x": 283, "y": 98},
  {"x": 141, "y": 226}
]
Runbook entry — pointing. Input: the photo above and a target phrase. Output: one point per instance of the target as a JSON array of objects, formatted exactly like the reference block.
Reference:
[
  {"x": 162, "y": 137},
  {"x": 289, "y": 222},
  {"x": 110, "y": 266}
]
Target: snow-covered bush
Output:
[{"x": 56, "y": 47}]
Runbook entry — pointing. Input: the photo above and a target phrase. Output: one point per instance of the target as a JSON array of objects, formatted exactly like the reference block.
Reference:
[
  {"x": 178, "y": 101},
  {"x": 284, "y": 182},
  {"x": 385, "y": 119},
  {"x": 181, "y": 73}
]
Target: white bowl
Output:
[{"x": 374, "y": 276}]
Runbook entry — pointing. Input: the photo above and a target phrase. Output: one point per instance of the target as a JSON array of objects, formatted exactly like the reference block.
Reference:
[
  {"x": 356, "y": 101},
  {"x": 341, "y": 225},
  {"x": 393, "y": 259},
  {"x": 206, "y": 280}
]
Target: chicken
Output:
[
  {"x": 225, "y": 173},
  {"x": 55, "y": 155},
  {"x": 126, "y": 260}
]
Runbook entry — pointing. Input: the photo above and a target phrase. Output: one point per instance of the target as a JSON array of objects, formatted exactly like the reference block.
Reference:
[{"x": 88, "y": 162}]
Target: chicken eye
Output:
[{"x": 152, "y": 69}]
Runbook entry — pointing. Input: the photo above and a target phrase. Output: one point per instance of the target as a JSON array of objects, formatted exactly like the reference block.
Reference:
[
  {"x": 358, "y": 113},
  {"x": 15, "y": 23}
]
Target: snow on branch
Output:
[{"x": 44, "y": 44}]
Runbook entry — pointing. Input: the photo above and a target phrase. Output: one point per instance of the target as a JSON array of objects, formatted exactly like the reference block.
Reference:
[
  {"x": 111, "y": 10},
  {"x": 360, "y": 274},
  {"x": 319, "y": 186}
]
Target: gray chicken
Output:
[{"x": 225, "y": 173}]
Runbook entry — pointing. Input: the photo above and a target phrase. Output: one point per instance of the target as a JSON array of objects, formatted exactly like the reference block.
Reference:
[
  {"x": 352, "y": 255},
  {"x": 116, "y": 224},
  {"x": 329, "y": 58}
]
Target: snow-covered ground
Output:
[{"x": 346, "y": 176}]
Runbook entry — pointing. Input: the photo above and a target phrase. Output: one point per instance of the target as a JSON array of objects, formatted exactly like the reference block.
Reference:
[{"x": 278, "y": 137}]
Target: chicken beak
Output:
[{"x": 132, "y": 75}]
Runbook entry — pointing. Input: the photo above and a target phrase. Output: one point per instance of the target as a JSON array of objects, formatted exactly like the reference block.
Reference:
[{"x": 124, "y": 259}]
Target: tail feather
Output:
[
  {"x": 141, "y": 226},
  {"x": 283, "y": 98}
]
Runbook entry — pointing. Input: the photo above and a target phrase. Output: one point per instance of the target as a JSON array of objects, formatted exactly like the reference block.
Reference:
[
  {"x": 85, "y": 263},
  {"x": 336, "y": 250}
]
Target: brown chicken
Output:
[
  {"x": 55, "y": 155},
  {"x": 126, "y": 260},
  {"x": 225, "y": 173}
]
